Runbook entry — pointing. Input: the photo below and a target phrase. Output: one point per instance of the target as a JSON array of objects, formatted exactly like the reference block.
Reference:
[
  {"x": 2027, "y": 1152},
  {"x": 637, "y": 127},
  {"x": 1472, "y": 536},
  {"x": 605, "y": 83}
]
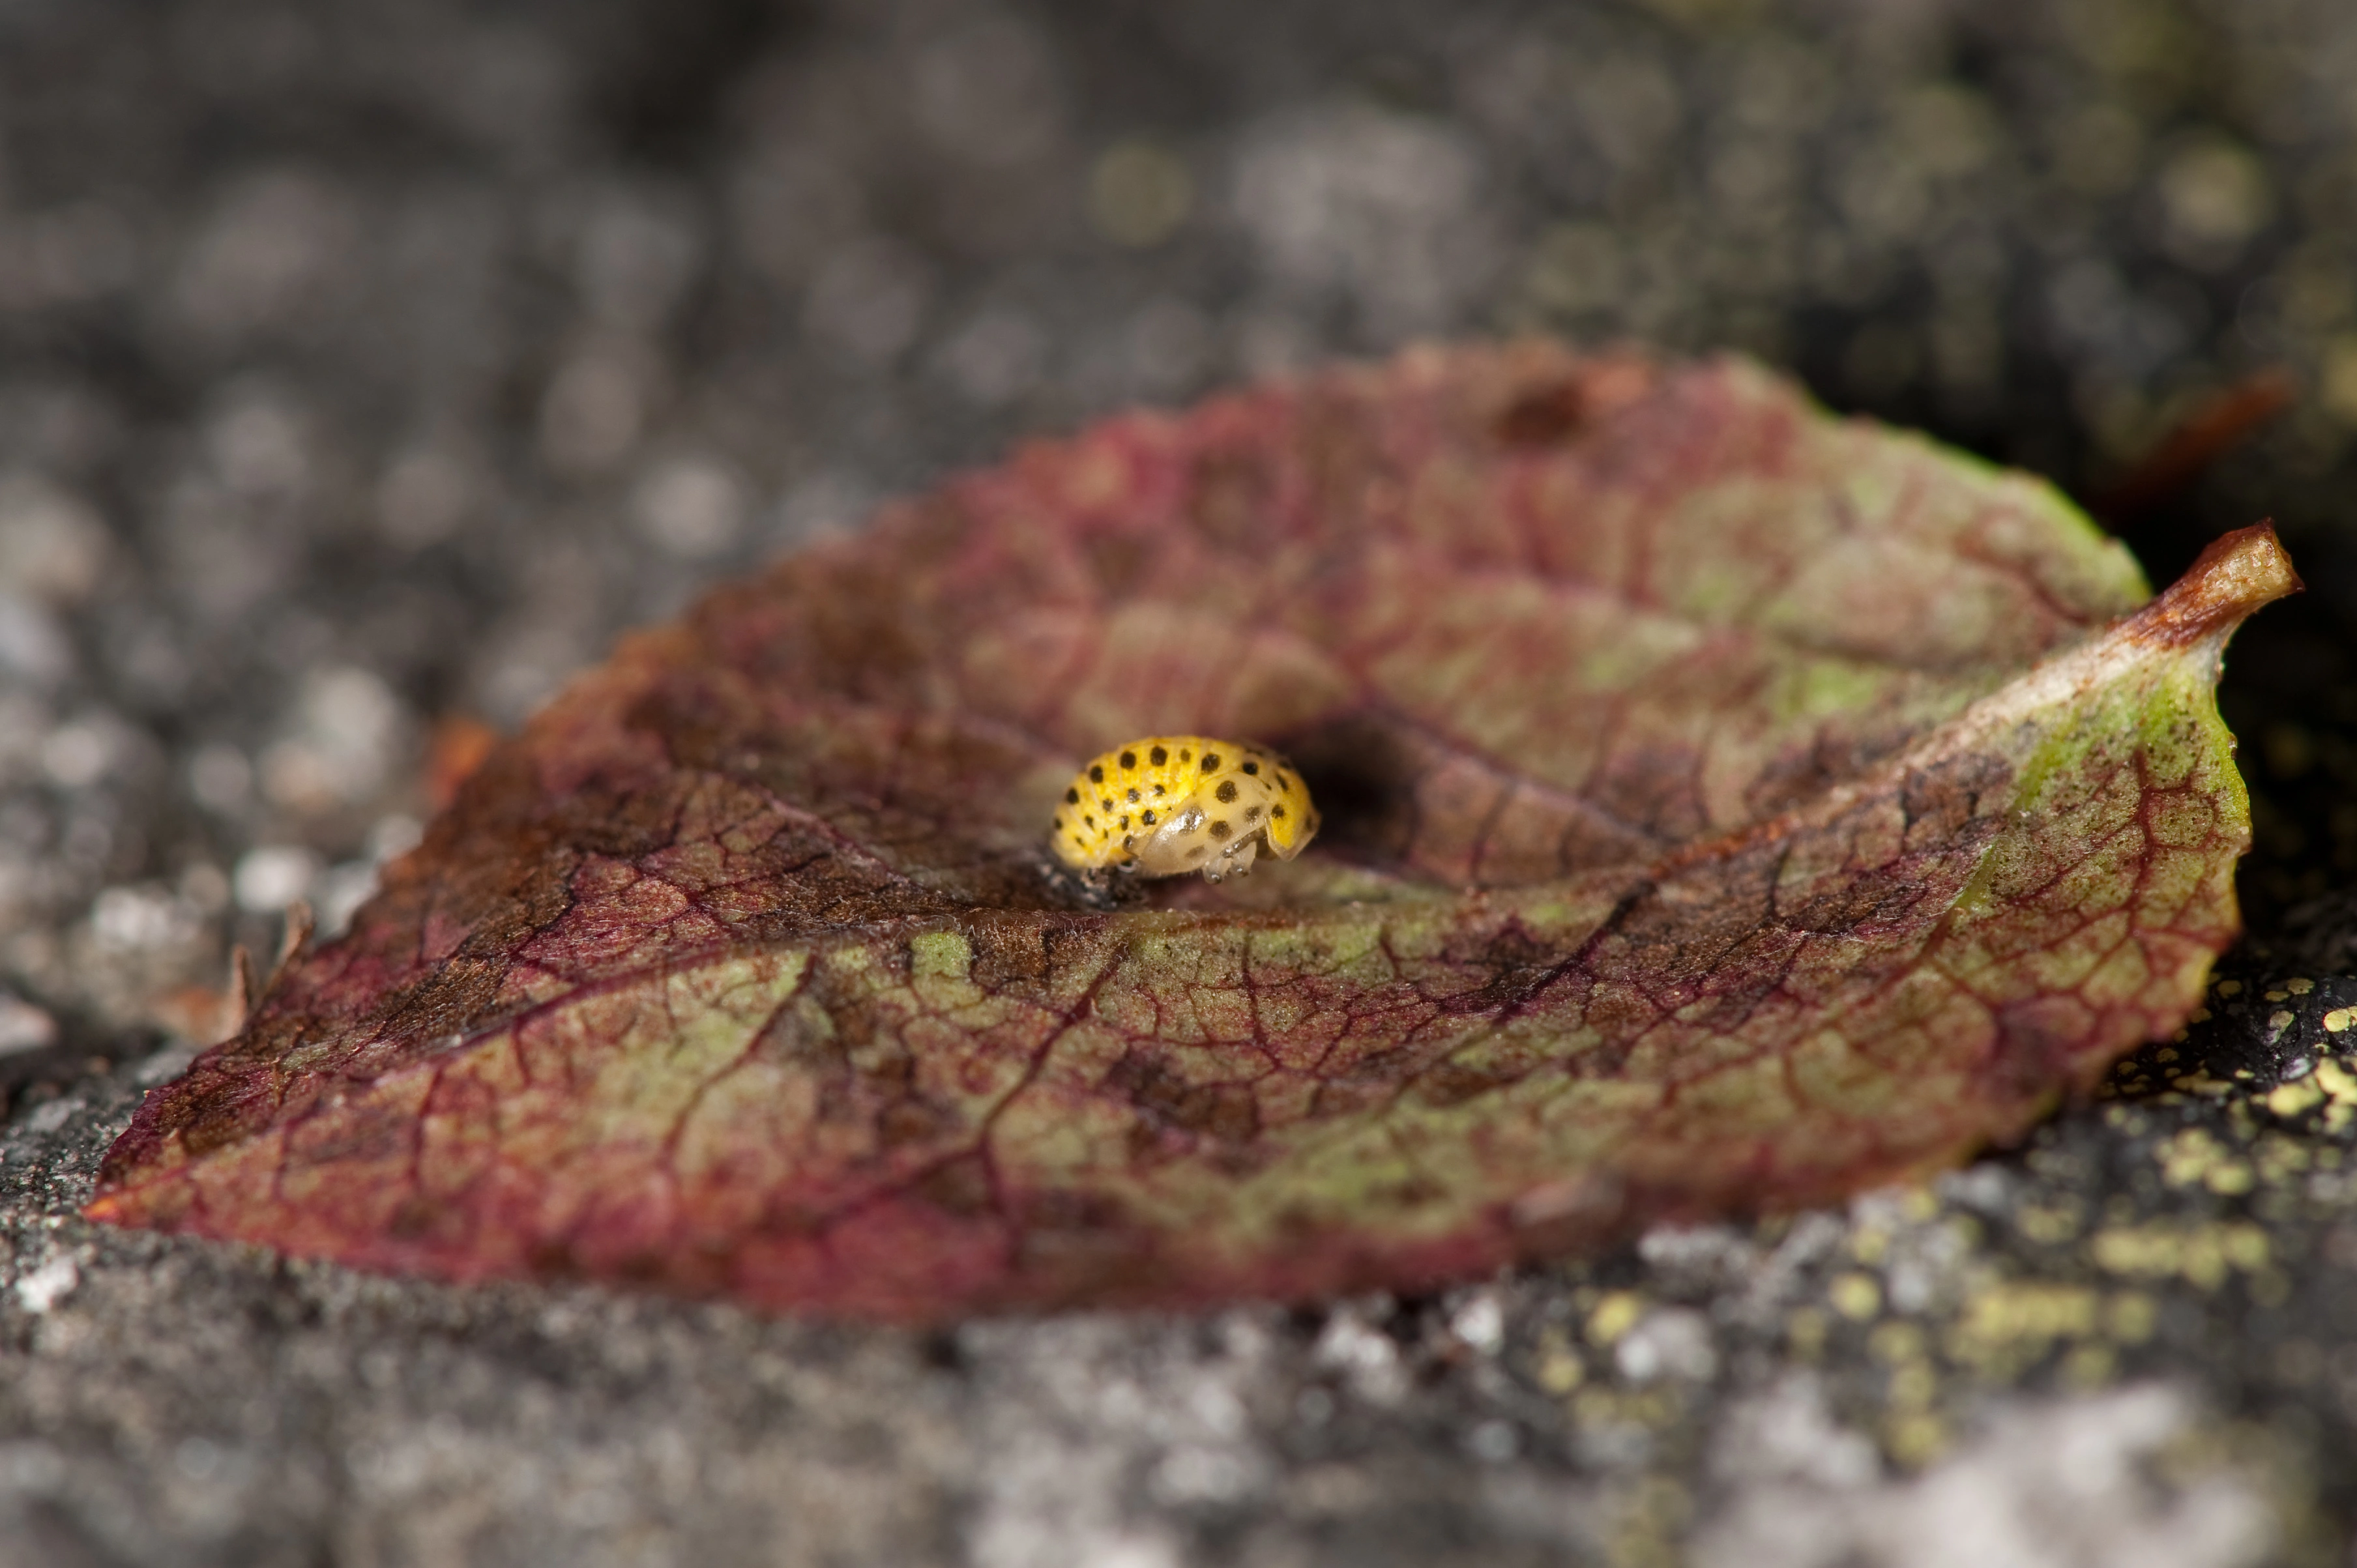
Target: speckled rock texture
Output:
[{"x": 366, "y": 365}]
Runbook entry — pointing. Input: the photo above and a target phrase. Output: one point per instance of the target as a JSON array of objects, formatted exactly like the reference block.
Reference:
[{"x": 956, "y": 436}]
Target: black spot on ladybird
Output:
[
  {"x": 1196, "y": 853},
  {"x": 1251, "y": 813},
  {"x": 1096, "y": 773},
  {"x": 1106, "y": 803},
  {"x": 1132, "y": 795},
  {"x": 1220, "y": 830},
  {"x": 1072, "y": 797},
  {"x": 1284, "y": 783},
  {"x": 1159, "y": 756},
  {"x": 1091, "y": 821},
  {"x": 1147, "y": 818},
  {"x": 1128, "y": 760},
  {"x": 1125, "y": 821},
  {"x": 1210, "y": 761},
  {"x": 1251, "y": 768},
  {"x": 1185, "y": 754},
  {"x": 1157, "y": 789},
  {"x": 1226, "y": 791},
  {"x": 1275, "y": 812}
]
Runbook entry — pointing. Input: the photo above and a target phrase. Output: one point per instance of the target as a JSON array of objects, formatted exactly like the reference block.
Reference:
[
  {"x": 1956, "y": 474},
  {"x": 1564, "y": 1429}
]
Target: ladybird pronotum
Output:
[{"x": 1171, "y": 804}]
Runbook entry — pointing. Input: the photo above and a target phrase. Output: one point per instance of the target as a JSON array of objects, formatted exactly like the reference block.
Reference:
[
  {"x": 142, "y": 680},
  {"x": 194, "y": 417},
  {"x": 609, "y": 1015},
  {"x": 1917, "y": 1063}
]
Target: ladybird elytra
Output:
[{"x": 1191, "y": 774}]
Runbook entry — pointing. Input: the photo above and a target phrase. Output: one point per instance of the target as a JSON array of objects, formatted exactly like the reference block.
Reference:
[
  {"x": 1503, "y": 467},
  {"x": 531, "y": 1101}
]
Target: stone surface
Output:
[{"x": 365, "y": 366}]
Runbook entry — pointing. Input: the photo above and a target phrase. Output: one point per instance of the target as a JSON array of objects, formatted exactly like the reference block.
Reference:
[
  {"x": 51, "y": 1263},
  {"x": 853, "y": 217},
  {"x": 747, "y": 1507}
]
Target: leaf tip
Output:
[{"x": 2239, "y": 573}]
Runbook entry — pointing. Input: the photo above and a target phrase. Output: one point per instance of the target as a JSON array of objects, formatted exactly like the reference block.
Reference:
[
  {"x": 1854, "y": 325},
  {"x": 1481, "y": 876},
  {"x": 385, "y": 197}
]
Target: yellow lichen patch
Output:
[
  {"x": 2051, "y": 1225},
  {"x": 1913, "y": 1386},
  {"x": 2089, "y": 1366},
  {"x": 1614, "y": 1316},
  {"x": 2131, "y": 1317},
  {"x": 1648, "y": 1525},
  {"x": 1896, "y": 1342},
  {"x": 2339, "y": 1019},
  {"x": 2198, "y": 1081},
  {"x": 1558, "y": 1368},
  {"x": 2013, "y": 1324},
  {"x": 2201, "y": 1254},
  {"x": 2331, "y": 1082},
  {"x": 1855, "y": 1296},
  {"x": 2195, "y": 1158},
  {"x": 1652, "y": 1407},
  {"x": 1915, "y": 1440},
  {"x": 2278, "y": 1159},
  {"x": 2296, "y": 1098}
]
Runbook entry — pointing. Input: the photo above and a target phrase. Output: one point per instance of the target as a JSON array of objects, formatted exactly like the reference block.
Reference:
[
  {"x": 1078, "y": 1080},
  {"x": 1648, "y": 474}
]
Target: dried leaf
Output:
[{"x": 1727, "y": 806}]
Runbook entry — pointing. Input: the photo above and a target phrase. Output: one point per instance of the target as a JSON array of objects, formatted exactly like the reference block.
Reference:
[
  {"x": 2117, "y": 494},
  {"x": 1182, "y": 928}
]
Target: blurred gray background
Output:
[{"x": 365, "y": 365}]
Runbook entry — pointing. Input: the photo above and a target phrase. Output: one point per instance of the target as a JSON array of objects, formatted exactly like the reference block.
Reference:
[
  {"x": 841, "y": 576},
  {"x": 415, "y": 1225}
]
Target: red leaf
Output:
[{"x": 1726, "y": 806}]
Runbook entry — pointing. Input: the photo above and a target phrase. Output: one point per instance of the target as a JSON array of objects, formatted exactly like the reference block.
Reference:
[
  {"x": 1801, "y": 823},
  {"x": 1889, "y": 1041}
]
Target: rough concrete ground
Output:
[{"x": 365, "y": 365}]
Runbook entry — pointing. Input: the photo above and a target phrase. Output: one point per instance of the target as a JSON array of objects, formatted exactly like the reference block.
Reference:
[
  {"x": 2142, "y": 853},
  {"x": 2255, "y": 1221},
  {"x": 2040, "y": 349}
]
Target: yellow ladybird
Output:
[{"x": 1171, "y": 804}]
